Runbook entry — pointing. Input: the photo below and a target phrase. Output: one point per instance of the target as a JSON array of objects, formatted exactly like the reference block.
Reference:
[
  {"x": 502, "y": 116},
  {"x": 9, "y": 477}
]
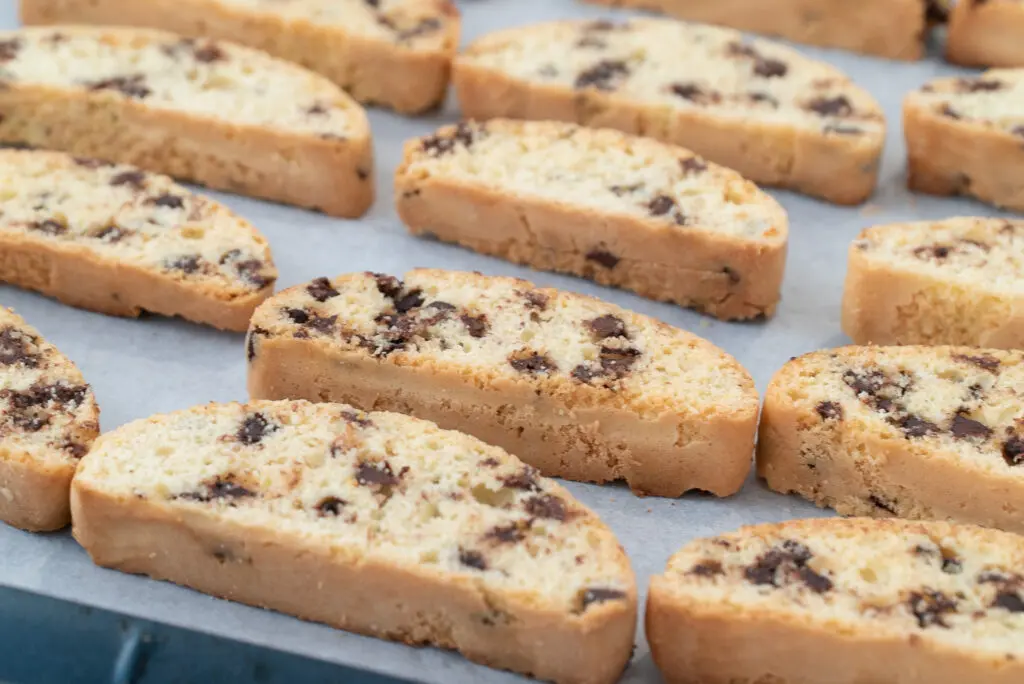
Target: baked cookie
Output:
[
  {"x": 209, "y": 112},
  {"x": 912, "y": 432},
  {"x": 760, "y": 108},
  {"x": 582, "y": 389},
  {"x": 48, "y": 421},
  {"x": 376, "y": 523},
  {"x": 838, "y": 601},
  {"x": 624, "y": 211},
  {"x": 118, "y": 240},
  {"x": 887, "y": 28},
  {"x": 986, "y": 33},
  {"x": 395, "y": 53},
  {"x": 966, "y": 136},
  {"x": 959, "y": 281}
]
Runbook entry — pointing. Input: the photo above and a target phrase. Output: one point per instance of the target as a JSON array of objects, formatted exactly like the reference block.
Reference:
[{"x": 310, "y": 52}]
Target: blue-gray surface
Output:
[{"x": 143, "y": 367}]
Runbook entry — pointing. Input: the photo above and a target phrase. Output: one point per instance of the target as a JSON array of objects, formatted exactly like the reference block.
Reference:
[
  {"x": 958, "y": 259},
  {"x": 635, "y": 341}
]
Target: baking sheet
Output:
[{"x": 152, "y": 365}]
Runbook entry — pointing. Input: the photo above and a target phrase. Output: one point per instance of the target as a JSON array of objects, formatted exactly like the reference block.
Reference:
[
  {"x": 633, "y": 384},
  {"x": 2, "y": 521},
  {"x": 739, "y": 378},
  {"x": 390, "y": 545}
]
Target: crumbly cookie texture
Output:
[
  {"x": 48, "y": 421},
  {"x": 581, "y": 388},
  {"x": 373, "y": 522},
  {"x": 116, "y": 239},
  {"x": 886, "y": 28},
  {"x": 391, "y": 52},
  {"x": 836, "y": 600},
  {"x": 625, "y": 211},
  {"x": 207, "y": 111},
  {"x": 887, "y": 430},
  {"x": 760, "y": 108},
  {"x": 986, "y": 33},
  {"x": 965, "y": 135},
  {"x": 959, "y": 281}
]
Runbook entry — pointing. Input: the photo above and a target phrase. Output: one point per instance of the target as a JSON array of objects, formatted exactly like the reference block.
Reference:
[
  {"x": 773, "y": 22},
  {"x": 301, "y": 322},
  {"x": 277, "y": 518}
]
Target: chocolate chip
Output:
[
  {"x": 964, "y": 427},
  {"x": 525, "y": 479},
  {"x": 604, "y": 75},
  {"x": 622, "y": 190},
  {"x": 829, "y": 410},
  {"x": 948, "y": 111},
  {"x": 330, "y": 506},
  {"x": 317, "y": 109},
  {"x": 618, "y": 362},
  {"x": 763, "y": 98},
  {"x": 607, "y": 326},
  {"x": 599, "y": 595},
  {"x": 934, "y": 252},
  {"x": 603, "y": 257},
  {"x": 250, "y": 345},
  {"x": 831, "y": 106},
  {"x": 773, "y": 566},
  {"x": 532, "y": 362},
  {"x": 167, "y": 201},
  {"x": 693, "y": 165},
  {"x": 817, "y": 583},
  {"x": 251, "y": 271},
  {"x": 389, "y": 286},
  {"x": 1009, "y": 601},
  {"x": 546, "y": 506},
  {"x": 661, "y": 205},
  {"x": 769, "y": 68},
  {"x": 476, "y": 325},
  {"x": 412, "y": 300},
  {"x": 977, "y": 85},
  {"x": 298, "y": 316},
  {"x": 359, "y": 419},
  {"x": 535, "y": 300},
  {"x": 440, "y": 145},
  {"x": 930, "y": 607},
  {"x": 254, "y": 428},
  {"x": 9, "y": 49},
  {"x": 15, "y": 348},
  {"x": 695, "y": 93},
  {"x": 221, "y": 488},
  {"x": 506, "y": 534},
  {"x": 136, "y": 179},
  {"x": 208, "y": 53},
  {"x": 988, "y": 363},
  {"x": 75, "y": 450},
  {"x": 312, "y": 320},
  {"x": 914, "y": 426},
  {"x": 708, "y": 568},
  {"x": 49, "y": 227},
  {"x": 131, "y": 86},
  {"x": 1013, "y": 451},
  {"x": 472, "y": 559},
  {"x": 376, "y": 474},
  {"x": 187, "y": 264}
]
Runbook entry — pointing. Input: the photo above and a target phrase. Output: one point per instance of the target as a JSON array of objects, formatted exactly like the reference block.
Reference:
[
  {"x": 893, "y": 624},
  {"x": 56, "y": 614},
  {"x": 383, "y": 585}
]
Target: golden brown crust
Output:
[
  {"x": 874, "y": 27},
  {"x": 986, "y": 34},
  {"x": 34, "y": 496},
  {"x": 372, "y": 70}
]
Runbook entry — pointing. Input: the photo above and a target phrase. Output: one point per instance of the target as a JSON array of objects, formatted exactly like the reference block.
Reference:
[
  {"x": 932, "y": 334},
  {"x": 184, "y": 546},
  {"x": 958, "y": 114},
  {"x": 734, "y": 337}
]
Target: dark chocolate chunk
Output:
[
  {"x": 254, "y": 428},
  {"x": 693, "y": 165},
  {"x": 546, "y": 506},
  {"x": 695, "y": 93},
  {"x": 938, "y": 252},
  {"x": 186, "y": 264},
  {"x": 250, "y": 344},
  {"x": 618, "y": 362},
  {"x": 376, "y": 474},
  {"x": 321, "y": 290},
  {"x": 831, "y": 106},
  {"x": 599, "y": 595},
  {"x": 112, "y": 233},
  {"x": 604, "y": 75},
  {"x": 330, "y": 506},
  {"x": 931, "y": 607},
  {"x": 1013, "y": 451},
  {"x": 988, "y": 363},
  {"x": 830, "y": 410},
  {"x": 532, "y": 362},
  {"x": 661, "y": 205},
  {"x": 251, "y": 271},
  {"x": 136, "y": 179},
  {"x": 49, "y": 226},
  {"x": 210, "y": 52},
  {"x": 15, "y": 349},
  {"x": 9, "y": 49},
  {"x": 472, "y": 559},
  {"x": 603, "y": 257},
  {"x": 817, "y": 583},
  {"x": 708, "y": 568},
  {"x": 964, "y": 427},
  {"x": 622, "y": 190},
  {"x": 607, "y": 326},
  {"x": 978, "y": 85},
  {"x": 439, "y": 145},
  {"x": 525, "y": 479},
  {"x": 769, "y": 68},
  {"x": 167, "y": 201},
  {"x": 130, "y": 86},
  {"x": 915, "y": 426},
  {"x": 411, "y": 300},
  {"x": 476, "y": 325},
  {"x": 784, "y": 563},
  {"x": 220, "y": 488},
  {"x": 535, "y": 300},
  {"x": 358, "y": 418},
  {"x": 389, "y": 286},
  {"x": 75, "y": 450},
  {"x": 507, "y": 534},
  {"x": 1008, "y": 600}
]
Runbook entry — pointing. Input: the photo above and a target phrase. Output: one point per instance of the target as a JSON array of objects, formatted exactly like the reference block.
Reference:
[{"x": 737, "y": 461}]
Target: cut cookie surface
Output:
[
  {"x": 373, "y": 522},
  {"x": 580, "y": 388}
]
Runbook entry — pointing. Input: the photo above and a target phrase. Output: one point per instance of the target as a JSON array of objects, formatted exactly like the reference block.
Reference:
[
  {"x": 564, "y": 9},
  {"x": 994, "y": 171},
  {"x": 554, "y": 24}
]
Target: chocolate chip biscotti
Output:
[
  {"x": 760, "y": 108},
  {"x": 625, "y": 211},
  {"x": 372, "y": 522},
  {"x": 887, "y": 28},
  {"x": 959, "y": 281},
  {"x": 117, "y": 240},
  {"x": 842, "y": 602},
  {"x": 392, "y": 52},
  {"x": 913, "y": 432},
  {"x": 48, "y": 421},
  {"x": 210, "y": 112},
  {"x": 577, "y": 387},
  {"x": 986, "y": 33},
  {"x": 965, "y": 136}
]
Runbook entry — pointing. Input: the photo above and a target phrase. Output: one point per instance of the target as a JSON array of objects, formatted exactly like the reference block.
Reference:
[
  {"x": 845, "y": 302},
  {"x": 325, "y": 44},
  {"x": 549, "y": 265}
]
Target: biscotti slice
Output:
[
  {"x": 372, "y": 522},
  {"x": 959, "y": 281},
  {"x": 966, "y": 136},
  {"x": 838, "y": 601},
  {"x": 913, "y": 432},
  {"x": 211, "y": 112},
  {"x": 886, "y": 28},
  {"x": 118, "y": 240},
  {"x": 574, "y": 386},
  {"x": 48, "y": 421},
  {"x": 395, "y": 53},
  {"x": 986, "y": 33},
  {"x": 757, "y": 107},
  {"x": 625, "y": 211}
]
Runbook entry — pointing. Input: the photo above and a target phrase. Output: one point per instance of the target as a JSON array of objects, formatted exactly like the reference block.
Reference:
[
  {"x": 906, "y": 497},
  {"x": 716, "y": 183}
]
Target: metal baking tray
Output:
[{"x": 152, "y": 365}]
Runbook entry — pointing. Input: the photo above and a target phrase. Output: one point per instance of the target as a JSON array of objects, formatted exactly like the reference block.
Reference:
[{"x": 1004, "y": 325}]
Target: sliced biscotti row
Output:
[
  {"x": 576, "y": 387},
  {"x": 966, "y": 136},
  {"x": 757, "y": 107},
  {"x": 118, "y": 240},
  {"x": 393, "y": 52},
  {"x": 986, "y": 33},
  {"x": 373, "y": 522},
  {"x": 959, "y": 281},
  {"x": 211, "y": 112},
  {"x": 915, "y": 432},
  {"x": 48, "y": 421},
  {"x": 887, "y": 28},
  {"x": 624, "y": 211},
  {"x": 842, "y": 601}
]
